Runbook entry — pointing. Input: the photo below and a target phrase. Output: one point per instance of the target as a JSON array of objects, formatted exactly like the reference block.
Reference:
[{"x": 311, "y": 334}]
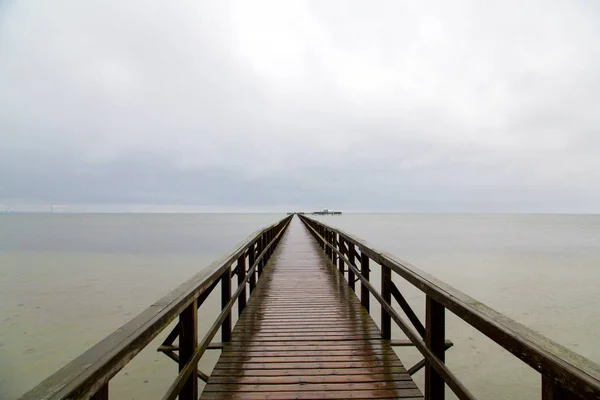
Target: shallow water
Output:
[{"x": 66, "y": 281}]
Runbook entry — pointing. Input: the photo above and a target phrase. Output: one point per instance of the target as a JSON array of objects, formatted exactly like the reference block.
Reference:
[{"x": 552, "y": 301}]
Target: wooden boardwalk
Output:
[{"x": 305, "y": 335}]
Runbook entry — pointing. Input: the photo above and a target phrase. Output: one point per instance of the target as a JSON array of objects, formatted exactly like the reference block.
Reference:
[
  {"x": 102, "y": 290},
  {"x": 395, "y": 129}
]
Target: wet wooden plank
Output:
[
  {"x": 309, "y": 365},
  {"x": 307, "y": 359},
  {"x": 320, "y": 379},
  {"x": 306, "y": 346},
  {"x": 355, "y": 394},
  {"x": 307, "y": 352},
  {"x": 342, "y": 372},
  {"x": 306, "y": 387},
  {"x": 305, "y": 335}
]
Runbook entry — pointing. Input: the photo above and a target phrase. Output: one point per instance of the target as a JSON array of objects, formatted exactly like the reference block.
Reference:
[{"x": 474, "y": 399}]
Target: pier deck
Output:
[{"x": 305, "y": 335}]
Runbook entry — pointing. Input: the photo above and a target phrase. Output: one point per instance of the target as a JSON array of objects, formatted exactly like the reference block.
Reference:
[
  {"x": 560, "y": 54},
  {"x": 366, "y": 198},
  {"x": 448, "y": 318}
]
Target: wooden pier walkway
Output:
[{"x": 305, "y": 335}]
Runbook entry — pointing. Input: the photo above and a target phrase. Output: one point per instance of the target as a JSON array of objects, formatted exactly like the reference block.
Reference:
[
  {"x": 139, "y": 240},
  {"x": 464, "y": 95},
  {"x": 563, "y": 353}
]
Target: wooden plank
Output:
[
  {"x": 223, "y": 364},
  {"x": 306, "y": 346},
  {"x": 226, "y": 358},
  {"x": 307, "y": 353},
  {"x": 321, "y": 379},
  {"x": 304, "y": 338},
  {"x": 304, "y": 387},
  {"x": 290, "y": 331},
  {"x": 356, "y": 394},
  {"x": 343, "y": 372}
]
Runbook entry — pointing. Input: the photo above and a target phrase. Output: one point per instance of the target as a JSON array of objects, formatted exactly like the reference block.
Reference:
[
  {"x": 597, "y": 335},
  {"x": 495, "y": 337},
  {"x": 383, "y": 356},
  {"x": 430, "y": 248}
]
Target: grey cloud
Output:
[{"x": 413, "y": 106}]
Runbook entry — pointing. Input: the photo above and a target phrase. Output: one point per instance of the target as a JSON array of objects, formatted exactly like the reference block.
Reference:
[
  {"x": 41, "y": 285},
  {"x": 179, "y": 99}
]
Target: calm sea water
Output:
[{"x": 66, "y": 281}]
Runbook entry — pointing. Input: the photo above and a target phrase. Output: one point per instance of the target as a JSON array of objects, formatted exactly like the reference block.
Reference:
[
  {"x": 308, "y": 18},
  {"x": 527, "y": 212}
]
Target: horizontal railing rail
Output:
[
  {"x": 88, "y": 375},
  {"x": 565, "y": 374}
]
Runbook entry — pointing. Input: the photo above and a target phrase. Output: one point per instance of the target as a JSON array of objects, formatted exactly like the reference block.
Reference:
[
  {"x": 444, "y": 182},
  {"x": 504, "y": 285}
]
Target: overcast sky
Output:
[{"x": 415, "y": 106}]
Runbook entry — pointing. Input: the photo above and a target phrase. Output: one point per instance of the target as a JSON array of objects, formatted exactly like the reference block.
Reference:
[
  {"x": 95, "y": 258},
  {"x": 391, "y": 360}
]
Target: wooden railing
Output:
[
  {"x": 564, "y": 374},
  {"x": 88, "y": 375}
]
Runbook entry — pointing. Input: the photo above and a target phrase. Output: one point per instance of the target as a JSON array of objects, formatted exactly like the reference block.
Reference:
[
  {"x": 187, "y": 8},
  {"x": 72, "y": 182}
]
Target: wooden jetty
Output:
[
  {"x": 304, "y": 329},
  {"x": 304, "y": 334}
]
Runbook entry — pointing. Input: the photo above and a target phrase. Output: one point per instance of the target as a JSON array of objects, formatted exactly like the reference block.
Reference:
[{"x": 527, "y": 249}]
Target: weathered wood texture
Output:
[{"x": 305, "y": 335}]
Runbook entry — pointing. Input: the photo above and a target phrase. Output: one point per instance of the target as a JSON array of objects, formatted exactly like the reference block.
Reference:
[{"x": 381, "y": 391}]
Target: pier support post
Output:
[
  {"x": 225, "y": 297},
  {"x": 241, "y": 275},
  {"x": 351, "y": 275},
  {"x": 435, "y": 339},
  {"x": 188, "y": 341},
  {"x": 386, "y": 319},
  {"x": 364, "y": 292},
  {"x": 552, "y": 390},
  {"x": 101, "y": 394},
  {"x": 334, "y": 240},
  {"x": 251, "y": 261},
  {"x": 269, "y": 239},
  {"x": 340, "y": 260},
  {"x": 259, "y": 248}
]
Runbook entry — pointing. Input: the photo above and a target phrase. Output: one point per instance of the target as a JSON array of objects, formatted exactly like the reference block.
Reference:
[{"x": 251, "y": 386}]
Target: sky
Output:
[{"x": 407, "y": 106}]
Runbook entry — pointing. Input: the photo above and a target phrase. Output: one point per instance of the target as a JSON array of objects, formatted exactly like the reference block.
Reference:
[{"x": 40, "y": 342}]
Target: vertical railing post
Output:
[
  {"x": 225, "y": 297},
  {"x": 434, "y": 338},
  {"x": 386, "y": 320},
  {"x": 351, "y": 275},
  {"x": 101, "y": 394},
  {"x": 327, "y": 248},
  {"x": 334, "y": 241},
  {"x": 251, "y": 261},
  {"x": 552, "y": 390},
  {"x": 269, "y": 239},
  {"x": 342, "y": 251},
  {"x": 188, "y": 341},
  {"x": 241, "y": 275},
  {"x": 259, "y": 249},
  {"x": 364, "y": 270}
]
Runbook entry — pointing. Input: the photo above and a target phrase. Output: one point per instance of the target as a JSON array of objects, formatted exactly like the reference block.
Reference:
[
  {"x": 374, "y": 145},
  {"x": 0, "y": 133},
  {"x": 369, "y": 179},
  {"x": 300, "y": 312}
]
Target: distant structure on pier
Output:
[
  {"x": 327, "y": 211},
  {"x": 324, "y": 211}
]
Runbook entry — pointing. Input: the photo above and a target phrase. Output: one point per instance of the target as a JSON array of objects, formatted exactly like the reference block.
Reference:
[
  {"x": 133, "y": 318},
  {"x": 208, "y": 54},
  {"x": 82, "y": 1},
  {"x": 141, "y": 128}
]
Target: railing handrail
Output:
[
  {"x": 572, "y": 370},
  {"x": 90, "y": 371}
]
